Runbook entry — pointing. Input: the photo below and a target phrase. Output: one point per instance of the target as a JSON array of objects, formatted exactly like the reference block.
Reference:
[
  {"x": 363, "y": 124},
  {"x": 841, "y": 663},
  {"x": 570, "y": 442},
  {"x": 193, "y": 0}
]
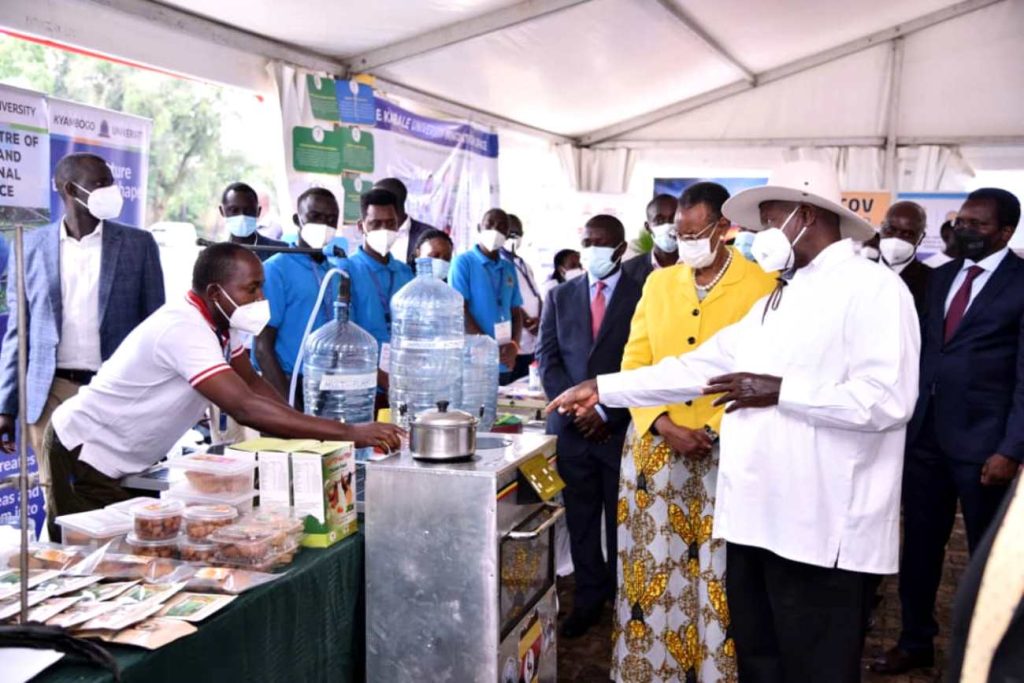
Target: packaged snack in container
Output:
[
  {"x": 164, "y": 548},
  {"x": 197, "y": 551},
  {"x": 273, "y": 466},
  {"x": 217, "y": 474},
  {"x": 125, "y": 506},
  {"x": 323, "y": 490},
  {"x": 157, "y": 520},
  {"x": 227, "y": 580},
  {"x": 95, "y": 527},
  {"x": 203, "y": 520},
  {"x": 244, "y": 544},
  {"x": 243, "y": 502},
  {"x": 284, "y": 519}
]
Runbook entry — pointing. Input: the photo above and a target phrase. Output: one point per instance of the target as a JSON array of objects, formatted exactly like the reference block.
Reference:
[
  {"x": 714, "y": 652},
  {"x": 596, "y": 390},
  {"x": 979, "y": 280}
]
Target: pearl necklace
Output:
[{"x": 714, "y": 281}]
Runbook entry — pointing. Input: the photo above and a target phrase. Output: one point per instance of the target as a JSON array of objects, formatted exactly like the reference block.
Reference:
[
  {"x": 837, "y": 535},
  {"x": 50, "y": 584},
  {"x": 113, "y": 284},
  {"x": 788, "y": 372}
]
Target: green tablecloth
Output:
[{"x": 305, "y": 626}]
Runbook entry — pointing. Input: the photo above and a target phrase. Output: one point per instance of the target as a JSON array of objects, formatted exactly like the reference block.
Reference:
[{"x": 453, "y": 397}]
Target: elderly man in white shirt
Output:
[{"x": 820, "y": 379}]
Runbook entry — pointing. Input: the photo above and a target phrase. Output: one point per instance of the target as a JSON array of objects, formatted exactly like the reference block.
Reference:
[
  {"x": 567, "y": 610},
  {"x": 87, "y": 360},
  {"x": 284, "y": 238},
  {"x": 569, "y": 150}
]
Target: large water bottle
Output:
[
  {"x": 340, "y": 367},
  {"x": 480, "y": 369},
  {"x": 427, "y": 336}
]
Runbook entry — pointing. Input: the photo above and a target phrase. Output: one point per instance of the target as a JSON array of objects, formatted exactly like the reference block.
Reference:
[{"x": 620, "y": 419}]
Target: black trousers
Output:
[
  {"x": 520, "y": 370},
  {"x": 591, "y": 490},
  {"x": 932, "y": 484},
  {"x": 795, "y": 622}
]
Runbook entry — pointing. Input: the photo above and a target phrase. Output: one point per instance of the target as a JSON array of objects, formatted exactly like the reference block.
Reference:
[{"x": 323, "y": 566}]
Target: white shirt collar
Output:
[
  {"x": 989, "y": 263},
  {"x": 837, "y": 252},
  {"x": 64, "y": 235},
  {"x": 609, "y": 281},
  {"x": 406, "y": 226}
]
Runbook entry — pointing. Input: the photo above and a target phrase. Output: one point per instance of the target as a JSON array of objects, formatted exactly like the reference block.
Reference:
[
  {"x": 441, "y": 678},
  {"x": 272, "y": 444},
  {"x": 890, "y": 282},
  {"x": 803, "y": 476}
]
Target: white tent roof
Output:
[{"x": 609, "y": 71}]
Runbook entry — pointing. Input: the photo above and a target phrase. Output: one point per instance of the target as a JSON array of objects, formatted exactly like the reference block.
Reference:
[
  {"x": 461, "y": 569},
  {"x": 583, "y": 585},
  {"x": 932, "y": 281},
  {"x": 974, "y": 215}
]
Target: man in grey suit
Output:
[{"x": 88, "y": 282}]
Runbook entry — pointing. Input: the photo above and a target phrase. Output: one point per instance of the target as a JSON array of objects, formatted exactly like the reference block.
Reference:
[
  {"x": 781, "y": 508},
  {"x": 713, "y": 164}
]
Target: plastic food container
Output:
[
  {"x": 278, "y": 519},
  {"x": 165, "y": 548},
  {"x": 245, "y": 545},
  {"x": 275, "y": 559},
  {"x": 242, "y": 502},
  {"x": 213, "y": 474},
  {"x": 157, "y": 520},
  {"x": 94, "y": 528},
  {"x": 203, "y": 520},
  {"x": 125, "y": 506},
  {"x": 191, "y": 551}
]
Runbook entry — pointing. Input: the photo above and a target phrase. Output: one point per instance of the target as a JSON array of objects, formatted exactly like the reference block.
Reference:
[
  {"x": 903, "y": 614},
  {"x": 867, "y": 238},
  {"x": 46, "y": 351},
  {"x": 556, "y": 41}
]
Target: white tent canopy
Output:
[{"x": 908, "y": 95}]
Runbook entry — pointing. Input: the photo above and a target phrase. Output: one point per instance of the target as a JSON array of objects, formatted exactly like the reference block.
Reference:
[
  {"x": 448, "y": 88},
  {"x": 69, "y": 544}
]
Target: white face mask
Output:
[
  {"x": 440, "y": 268},
  {"x": 870, "y": 253},
  {"x": 772, "y": 249},
  {"x": 665, "y": 237},
  {"x": 491, "y": 240},
  {"x": 316, "y": 235},
  {"x": 241, "y": 225},
  {"x": 381, "y": 240},
  {"x": 104, "y": 203},
  {"x": 250, "y": 318},
  {"x": 895, "y": 251},
  {"x": 599, "y": 261},
  {"x": 573, "y": 273},
  {"x": 697, "y": 253}
]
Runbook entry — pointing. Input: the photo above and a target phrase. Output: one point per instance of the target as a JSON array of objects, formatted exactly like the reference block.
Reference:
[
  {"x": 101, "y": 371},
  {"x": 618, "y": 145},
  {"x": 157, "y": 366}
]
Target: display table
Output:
[{"x": 305, "y": 626}]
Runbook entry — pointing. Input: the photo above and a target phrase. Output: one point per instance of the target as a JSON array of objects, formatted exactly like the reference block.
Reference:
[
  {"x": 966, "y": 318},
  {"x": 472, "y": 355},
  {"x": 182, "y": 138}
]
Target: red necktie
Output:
[
  {"x": 597, "y": 309},
  {"x": 958, "y": 306}
]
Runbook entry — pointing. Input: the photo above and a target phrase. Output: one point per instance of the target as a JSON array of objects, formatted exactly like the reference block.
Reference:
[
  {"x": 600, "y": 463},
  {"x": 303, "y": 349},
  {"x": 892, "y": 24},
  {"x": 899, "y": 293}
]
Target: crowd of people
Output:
[{"x": 741, "y": 416}]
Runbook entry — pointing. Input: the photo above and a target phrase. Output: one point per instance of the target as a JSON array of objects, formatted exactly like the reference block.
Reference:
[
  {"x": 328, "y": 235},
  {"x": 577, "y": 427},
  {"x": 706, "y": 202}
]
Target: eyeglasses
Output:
[
  {"x": 960, "y": 224},
  {"x": 697, "y": 236}
]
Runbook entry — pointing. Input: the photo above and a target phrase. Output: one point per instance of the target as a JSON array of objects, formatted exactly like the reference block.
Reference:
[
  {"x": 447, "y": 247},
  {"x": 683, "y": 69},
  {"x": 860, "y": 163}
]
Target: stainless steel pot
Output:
[{"x": 443, "y": 435}]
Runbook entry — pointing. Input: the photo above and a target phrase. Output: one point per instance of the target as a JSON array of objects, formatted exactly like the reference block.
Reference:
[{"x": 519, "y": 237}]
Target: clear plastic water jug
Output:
[
  {"x": 427, "y": 339},
  {"x": 480, "y": 369},
  {"x": 340, "y": 368}
]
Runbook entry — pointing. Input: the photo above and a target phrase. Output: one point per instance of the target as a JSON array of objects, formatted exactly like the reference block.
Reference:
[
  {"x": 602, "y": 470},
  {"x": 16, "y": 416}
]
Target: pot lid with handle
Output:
[{"x": 443, "y": 417}]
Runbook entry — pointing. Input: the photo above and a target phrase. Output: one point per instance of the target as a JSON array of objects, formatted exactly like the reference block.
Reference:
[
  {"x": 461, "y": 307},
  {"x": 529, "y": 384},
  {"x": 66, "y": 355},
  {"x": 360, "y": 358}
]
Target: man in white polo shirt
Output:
[{"x": 158, "y": 384}]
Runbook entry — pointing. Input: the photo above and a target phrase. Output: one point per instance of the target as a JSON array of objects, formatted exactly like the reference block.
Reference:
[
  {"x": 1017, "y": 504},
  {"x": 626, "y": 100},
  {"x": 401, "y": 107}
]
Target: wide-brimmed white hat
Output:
[{"x": 806, "y": 182}]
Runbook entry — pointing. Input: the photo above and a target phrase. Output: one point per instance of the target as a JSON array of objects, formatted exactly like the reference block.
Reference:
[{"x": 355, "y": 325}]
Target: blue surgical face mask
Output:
[
  {"x": 744, "y": 240},
  {"x": 440, "y": 267},
  {"x": 241, "y": 225},
  {"x": 599, "y": 261}
]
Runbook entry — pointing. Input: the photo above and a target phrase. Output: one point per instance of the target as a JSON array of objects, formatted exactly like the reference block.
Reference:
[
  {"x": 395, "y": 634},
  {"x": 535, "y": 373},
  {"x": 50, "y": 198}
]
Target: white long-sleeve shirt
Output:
[{"x": 815, "y": 479}]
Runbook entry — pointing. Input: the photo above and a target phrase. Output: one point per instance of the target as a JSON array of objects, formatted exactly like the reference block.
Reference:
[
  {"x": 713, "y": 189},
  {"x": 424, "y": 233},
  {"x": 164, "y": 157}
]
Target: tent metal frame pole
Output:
[
  {"x": 698, "y": 31},
  {"x": 893, "y": 117},
  {"x": 22, "y": 371},
  {"x": 458, "y": 32},
  {"x": 877, "y": 141},
  {"x": 792, "y": 68}
]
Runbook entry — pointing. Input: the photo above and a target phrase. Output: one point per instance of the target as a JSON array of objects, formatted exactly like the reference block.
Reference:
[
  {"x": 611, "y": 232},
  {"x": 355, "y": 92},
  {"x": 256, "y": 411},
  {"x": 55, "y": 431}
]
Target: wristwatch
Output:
[{"x": 712, "y": 434}]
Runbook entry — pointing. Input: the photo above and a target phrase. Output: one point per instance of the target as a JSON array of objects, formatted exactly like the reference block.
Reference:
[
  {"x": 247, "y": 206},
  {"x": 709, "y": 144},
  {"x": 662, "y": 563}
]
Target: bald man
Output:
[
  {"x": 901, "y": 234},
  {"x": 88, "y": 282}
]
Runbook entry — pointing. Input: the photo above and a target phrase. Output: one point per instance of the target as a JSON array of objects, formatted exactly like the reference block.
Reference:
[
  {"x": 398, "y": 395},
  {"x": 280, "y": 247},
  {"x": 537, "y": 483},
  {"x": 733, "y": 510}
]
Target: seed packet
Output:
[
  {"x": 48, "y": 609},
  {"x": 154, "y": 633},
  {"x": 105, "y": 591},
  {"x": 81, "y": 613},
  {"x": 195, "y": 607},
  {"x": 155, "y": 593},
  {"x": 10, "y": 580},
  {"x": 11, "y": 606},
  {"x": 122, "y": 617},
  {"x": 61, "y": 585}
]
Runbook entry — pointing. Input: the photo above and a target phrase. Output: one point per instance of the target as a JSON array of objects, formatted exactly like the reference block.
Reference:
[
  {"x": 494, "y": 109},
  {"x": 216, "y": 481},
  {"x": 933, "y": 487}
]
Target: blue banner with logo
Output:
[
  {"x": 453, "y": 134},
  {"x": 120, "y": 139}
]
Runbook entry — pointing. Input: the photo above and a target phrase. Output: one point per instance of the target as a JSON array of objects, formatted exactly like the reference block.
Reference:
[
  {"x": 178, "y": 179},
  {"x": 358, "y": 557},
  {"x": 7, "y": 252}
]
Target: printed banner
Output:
[
  {"x": 871, "y": 206},
  {"x": 120, "y": 139},
  {"x": 339, "y": 135},
  {"x": 24, "y": 158}
]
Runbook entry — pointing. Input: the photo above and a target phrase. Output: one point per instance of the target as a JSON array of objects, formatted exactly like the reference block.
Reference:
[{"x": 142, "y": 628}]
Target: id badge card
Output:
[{"x": 503, "y": 332}]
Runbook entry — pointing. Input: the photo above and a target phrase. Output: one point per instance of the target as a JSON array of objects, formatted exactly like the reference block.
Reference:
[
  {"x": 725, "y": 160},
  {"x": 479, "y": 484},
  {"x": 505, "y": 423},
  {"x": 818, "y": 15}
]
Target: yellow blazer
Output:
[{"x": 670, "y": 320}]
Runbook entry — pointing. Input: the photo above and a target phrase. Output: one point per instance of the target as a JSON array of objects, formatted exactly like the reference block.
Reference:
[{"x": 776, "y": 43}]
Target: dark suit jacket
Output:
[
  {"x": 975, "y": 383},
  {"x": 638, "y": 268},
  {"x": 568, "y": 356},
  {"x": 1008, "y": 660},
  {"x": 131, "y": 287},
  {"x": 916, "y": 276},
  {"x": 416, "y": 228}
]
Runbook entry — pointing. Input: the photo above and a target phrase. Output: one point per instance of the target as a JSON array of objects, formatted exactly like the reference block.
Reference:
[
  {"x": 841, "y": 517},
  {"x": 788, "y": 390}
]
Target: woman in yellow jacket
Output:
[{"x": 671, "y": 619}]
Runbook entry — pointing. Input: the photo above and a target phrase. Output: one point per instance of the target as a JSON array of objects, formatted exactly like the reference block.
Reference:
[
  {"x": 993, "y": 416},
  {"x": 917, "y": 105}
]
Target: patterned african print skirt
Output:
[{"x": 671, "y": 618}]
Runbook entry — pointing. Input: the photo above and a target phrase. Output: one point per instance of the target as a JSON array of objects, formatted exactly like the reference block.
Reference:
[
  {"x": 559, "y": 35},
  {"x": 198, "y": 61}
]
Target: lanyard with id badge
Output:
[{"x": 502, "y": 328}]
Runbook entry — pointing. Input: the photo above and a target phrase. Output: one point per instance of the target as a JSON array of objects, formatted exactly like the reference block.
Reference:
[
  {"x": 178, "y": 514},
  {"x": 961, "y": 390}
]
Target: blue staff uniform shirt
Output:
[
  {"x": 490, "y": 288},
  {"x": 373, "y": 285},
  {"x": 292, "y": 282}
]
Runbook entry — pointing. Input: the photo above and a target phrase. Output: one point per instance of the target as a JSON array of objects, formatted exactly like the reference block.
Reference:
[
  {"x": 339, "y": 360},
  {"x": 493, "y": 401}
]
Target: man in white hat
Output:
[{"x": 820, "y": 380}]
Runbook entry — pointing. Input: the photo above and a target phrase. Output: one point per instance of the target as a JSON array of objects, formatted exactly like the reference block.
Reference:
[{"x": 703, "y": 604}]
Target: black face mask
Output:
[{"x": 972, "y": 246}]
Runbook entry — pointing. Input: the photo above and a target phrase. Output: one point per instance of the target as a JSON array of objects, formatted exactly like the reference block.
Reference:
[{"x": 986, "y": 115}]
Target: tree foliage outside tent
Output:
[{"x": 188, "y": 163}]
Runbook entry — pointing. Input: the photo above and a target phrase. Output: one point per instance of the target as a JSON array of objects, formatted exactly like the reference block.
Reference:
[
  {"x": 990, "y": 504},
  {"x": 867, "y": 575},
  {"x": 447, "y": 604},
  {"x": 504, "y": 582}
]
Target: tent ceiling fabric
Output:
[{"x": 577, "y": 67}]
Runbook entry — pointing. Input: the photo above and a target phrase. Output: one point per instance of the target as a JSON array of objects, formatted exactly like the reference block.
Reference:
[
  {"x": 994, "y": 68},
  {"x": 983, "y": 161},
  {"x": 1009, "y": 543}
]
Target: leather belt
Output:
[{"x": 77, "y": 376}]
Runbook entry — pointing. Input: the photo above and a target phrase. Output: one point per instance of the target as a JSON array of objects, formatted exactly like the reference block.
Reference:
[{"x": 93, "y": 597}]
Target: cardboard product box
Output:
[
  {"x": 324, "y": 490},
  {"x": 273, "y": 470}
]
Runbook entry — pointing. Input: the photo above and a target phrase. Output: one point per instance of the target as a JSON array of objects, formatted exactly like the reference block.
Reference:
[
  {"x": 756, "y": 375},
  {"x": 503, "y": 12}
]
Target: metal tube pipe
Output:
[{"x": 19, "y": 269}]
